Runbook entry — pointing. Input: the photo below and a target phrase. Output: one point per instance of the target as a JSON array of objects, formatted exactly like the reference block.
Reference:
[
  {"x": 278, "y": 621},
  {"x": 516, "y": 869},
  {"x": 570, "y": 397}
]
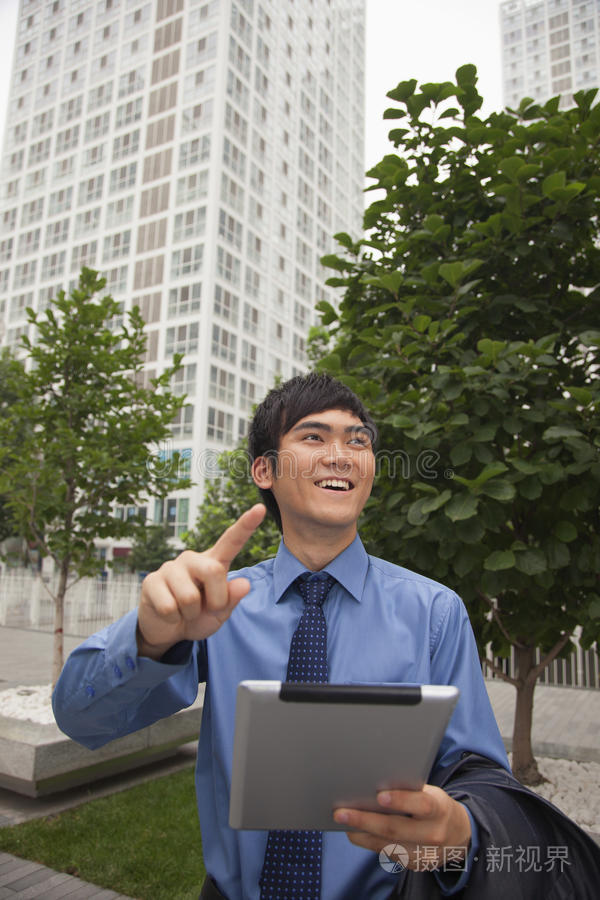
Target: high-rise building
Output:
[
  {"x": 549, "y": 47},
  {"x": 200, "y": 154}
]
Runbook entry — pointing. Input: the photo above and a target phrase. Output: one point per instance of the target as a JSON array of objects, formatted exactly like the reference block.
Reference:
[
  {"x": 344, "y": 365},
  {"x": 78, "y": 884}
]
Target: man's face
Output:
[{"x": 323, "y": 473}]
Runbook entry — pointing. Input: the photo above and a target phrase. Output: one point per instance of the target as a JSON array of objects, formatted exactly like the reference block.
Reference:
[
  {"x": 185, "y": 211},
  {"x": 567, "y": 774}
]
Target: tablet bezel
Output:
[{"x": 301, "y": 750}]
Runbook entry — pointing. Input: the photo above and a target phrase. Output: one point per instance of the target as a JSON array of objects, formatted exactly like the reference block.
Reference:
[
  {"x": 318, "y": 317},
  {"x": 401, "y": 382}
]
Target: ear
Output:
[{"x": 262, "y": 473}]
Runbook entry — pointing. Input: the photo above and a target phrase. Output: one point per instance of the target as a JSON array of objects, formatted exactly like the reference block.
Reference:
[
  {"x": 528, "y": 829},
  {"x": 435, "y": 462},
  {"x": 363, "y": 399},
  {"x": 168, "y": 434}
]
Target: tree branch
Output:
[
  {"x": 550, "y": 656},
  {"x": 498, "y": 671},
  {"x": 496, "y": 617}
]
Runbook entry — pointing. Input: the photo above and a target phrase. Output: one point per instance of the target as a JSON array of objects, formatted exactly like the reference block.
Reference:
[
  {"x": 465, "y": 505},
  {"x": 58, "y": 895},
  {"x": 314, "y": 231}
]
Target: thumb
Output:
[{"x": 237, "y": 588}]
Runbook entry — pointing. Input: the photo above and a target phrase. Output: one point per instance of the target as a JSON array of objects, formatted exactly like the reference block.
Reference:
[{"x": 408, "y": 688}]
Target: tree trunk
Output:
[
  {"x": 59, "y": 613},
  {"x": 523, "y": 762}
]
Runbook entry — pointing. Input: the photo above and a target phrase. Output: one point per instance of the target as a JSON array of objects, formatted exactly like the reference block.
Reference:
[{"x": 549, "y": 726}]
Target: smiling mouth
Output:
[{"x": 334, "y": 484}]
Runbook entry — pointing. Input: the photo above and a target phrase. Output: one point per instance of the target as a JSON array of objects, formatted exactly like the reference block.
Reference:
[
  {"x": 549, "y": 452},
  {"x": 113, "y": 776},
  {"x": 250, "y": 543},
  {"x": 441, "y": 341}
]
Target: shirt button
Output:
[
  {"x": 129, "y": 663},
  {"x": 118, "y": 672},
  {"x": 90, "y": 691}
]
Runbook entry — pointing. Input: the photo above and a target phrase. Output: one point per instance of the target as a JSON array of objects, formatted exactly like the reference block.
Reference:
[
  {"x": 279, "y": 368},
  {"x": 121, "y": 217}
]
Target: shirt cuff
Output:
[{"x": 451, "y": 881}]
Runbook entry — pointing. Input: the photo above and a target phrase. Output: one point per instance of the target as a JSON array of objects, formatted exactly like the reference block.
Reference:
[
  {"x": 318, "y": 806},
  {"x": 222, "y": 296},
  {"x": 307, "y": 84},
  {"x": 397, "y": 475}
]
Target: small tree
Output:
[
  {"x": 470, "y": 325},
  {"x": 226, "y": 497},
  {"x": 12, "y": 372},
  {"x": 91, "y": 430},
  {"x": 150, "y": 549}
]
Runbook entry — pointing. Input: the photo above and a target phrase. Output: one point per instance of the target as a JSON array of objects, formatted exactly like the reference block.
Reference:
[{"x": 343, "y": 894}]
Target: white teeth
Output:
[{"x": 335, "y": 483}]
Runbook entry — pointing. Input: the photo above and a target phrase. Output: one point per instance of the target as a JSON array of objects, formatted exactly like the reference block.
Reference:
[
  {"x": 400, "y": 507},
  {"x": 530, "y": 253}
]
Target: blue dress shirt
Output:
[{"x": 385, "y": 624}]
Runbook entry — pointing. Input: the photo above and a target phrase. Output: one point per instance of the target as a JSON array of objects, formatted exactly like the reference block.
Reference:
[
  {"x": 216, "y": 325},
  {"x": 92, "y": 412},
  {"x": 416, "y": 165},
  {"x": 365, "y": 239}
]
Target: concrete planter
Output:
[{"x": 37, "y": 760}]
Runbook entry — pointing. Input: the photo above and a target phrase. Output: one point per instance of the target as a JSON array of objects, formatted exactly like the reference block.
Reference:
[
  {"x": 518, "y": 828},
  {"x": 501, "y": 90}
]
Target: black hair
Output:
[{"x": 289, "y": 402}]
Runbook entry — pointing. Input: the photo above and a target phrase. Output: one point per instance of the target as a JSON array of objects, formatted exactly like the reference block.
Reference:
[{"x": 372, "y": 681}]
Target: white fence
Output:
[
  {"x": 579, "y": 669},
  {"x": 93, "y": 603},
  {"x": 90, "y": 604}
]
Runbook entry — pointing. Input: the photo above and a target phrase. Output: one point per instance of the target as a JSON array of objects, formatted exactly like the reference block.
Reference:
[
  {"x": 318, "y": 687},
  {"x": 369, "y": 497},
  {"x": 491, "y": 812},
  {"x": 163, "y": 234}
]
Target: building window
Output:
[
  {"x": 182, "y": 339},
  {"x": 219, "y": 426},
  {"x": 228, "y": 266},
  {"x": 185, "y": 300},
  {"x": 190, "y": 224},
  {"x": 222, "y": 385},
  {"x": 224, "y": 344},
  {"x": 175, "y": 511},
  {"x": 193, "y": 152},
  {"x": 53, "y": 265},
  {"x": 187, "y": 260},
  {"x": 84, "y": 255},
  {"x": 192, "y": 188},
  {"x": 251, "y": 358},
  {"x": 248, "y": 394},
  {"x": 230, "y": 229},
  {"x": 116, "y": 245},
  {"x": 184, "y": 380},
  {"x": 57, "y": 232},
  {"x": 119, "y": 212},
  {"x": 226, "y": 305}
]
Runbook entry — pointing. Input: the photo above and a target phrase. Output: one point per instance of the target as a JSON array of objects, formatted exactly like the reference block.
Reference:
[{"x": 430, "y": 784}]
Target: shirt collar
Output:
[{"x": 349, "y": 568}]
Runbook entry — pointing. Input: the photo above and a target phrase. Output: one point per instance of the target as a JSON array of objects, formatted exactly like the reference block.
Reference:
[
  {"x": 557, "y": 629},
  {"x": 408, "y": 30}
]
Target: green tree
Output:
[
  {"x": 11, "y": 373},
  {"x": 226, "y": 497},
  {"x": 469, "y": 323},
  {"x": 91, "y": 432},
  {"x": 150, "y": 549}
]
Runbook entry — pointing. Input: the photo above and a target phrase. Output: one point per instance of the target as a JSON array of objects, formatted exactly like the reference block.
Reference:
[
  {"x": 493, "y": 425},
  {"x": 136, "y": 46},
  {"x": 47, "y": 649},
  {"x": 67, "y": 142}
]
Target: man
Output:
[{"x": 312, "y": 448}]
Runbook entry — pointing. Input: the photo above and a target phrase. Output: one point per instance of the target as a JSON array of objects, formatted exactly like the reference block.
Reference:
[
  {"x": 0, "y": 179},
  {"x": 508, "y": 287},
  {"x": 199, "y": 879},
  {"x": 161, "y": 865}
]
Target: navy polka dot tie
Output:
[{"x": 292, "y": 864}]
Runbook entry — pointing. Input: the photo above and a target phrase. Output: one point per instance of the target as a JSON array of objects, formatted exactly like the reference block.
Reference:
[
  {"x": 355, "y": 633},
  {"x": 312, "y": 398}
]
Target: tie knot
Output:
[{"x": 315, "y": 587}]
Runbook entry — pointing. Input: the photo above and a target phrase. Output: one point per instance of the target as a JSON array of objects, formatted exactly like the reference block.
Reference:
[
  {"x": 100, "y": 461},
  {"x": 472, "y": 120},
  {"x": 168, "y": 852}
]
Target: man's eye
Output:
[
  {"x": 310, "y": 437},
  {"x": 359, "y": 440}
]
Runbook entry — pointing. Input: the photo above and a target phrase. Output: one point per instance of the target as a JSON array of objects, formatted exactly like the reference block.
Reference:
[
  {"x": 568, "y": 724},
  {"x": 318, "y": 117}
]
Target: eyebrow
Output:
[{"x": 322, "y": 426}]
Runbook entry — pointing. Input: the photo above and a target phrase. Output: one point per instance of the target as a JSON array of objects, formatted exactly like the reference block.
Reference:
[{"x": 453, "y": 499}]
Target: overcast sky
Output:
[{"x": 423, "y": 39}]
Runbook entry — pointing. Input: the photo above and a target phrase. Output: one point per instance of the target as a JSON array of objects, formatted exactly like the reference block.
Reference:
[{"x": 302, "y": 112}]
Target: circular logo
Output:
[{"x": 393, "y": 858}]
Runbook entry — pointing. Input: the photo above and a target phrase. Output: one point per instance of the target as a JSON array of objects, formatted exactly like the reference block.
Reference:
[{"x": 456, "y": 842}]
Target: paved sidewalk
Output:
[{"x": 27, "y": 880}]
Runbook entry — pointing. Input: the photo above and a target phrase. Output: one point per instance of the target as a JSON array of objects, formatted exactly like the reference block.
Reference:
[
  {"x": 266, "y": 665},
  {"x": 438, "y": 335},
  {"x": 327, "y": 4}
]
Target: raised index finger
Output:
[{"x": 233, "y": 539}]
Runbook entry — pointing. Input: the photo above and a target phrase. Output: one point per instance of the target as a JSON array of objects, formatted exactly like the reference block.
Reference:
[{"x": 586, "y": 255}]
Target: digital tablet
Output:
[{"x": 302, "y": 750}]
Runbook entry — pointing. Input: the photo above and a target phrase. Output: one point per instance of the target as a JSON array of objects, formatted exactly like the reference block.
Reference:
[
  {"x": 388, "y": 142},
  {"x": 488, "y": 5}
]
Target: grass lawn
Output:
[{"x": 143, "y": 842}]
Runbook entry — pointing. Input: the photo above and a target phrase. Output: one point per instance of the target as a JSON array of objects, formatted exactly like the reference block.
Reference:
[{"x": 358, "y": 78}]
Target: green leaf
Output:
[
  {"x": 594, "y": 608},
  {"x": 466, "y": 76},
  {"x": 499, "y": 560},
  {"x": 564, "y": 531},
  {"x": 529, "y": 488},
  {"x": 552, "y": 182},
  {"x": 581, "y": 395},
  {"x": 461, "y": 453},
  {"x": 328, "y": 313},
  {"x": 421, "y": 323},
  {"x": 416, "y": 514},
  {"x": 394, "y": 113},
  {"x": 398, "y": 420},
  {"x": 461, "y": 506},
  {"x": 403, "y": 91},
  {"x": 531, "y": 562},
  {"x": 392, "y": 281},
  {"x": 559, "y": 432},
  {"x": 557, "y": 553},
  {"x": 499, "y": 490},
  {"x": 451, "y": 272},
  {"x": 488, "y": 472},
  {"x": 430, "y": 504}
]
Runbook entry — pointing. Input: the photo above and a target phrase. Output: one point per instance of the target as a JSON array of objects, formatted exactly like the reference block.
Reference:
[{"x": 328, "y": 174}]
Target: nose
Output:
[{"x": 337, "y": 456}]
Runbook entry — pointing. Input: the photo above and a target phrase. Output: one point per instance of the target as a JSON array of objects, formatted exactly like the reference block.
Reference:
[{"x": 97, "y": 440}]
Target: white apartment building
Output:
[
  {"x": 201, "y": 154},
  {"x": 549, "y": 47}
]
